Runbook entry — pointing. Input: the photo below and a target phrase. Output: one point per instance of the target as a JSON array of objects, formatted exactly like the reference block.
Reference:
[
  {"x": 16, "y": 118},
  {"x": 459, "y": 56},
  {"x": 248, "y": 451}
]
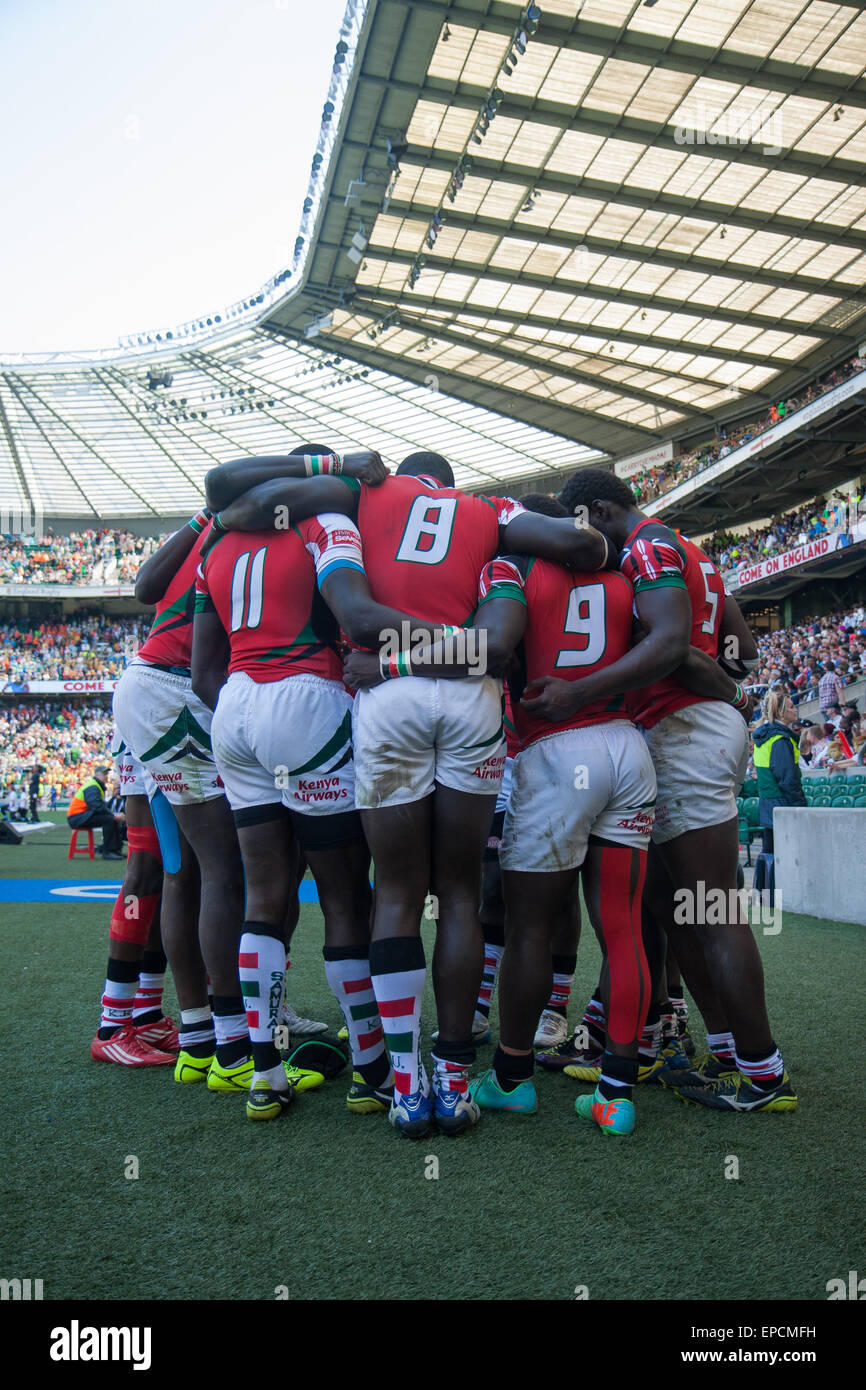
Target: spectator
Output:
[
  {"x": 776, "y": 762},
  {"x": 829, "y": 690},
  {"x": 88, "y": 809},
  {"x": 810, "y": 737},
  {"x": 35, "y": 789}
]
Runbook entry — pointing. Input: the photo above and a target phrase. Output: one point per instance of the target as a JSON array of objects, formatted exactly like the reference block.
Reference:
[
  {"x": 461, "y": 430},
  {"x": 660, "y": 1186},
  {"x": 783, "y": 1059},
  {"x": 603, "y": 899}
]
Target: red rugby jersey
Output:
[
  {"x": 577, "y": 623},
  {"x": 425, "y": 545},
  {"x": 652, "y": 562},
  {"x": 264, "y": 587},
  {"x": 169, "y": 642}
]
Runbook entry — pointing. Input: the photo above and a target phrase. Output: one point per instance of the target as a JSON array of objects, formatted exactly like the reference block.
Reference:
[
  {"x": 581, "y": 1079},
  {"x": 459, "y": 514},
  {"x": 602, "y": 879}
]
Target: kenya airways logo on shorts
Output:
[
  {"x": 641, "y": 822},
  {"x": 320, "y": 789},
  {"x": 491, "y": 768}
]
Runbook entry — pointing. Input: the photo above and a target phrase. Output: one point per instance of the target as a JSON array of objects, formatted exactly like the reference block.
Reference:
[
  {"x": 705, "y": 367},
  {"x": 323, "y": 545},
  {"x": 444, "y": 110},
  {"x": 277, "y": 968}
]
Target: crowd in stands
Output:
[
  {"x": 801, "y": 655},
  {"x": 86, "y": 557},
  {"x": 68, "y": 741},
  {"x": 652, "y": 482},
  {"x": 819, "y": 518},
  {"x": 89, "y": 646}
]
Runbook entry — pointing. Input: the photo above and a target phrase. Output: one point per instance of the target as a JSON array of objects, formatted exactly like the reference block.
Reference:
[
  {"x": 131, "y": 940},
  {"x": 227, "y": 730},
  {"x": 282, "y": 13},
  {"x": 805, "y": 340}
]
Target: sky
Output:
[{"x": 154, "y": 158}]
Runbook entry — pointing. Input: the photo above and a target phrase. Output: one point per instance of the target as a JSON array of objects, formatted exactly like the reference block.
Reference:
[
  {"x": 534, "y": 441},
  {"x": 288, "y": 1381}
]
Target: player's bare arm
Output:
[
  {"x": 210, "y": 657},
  {"x": 266, "y": 507},
  {"x": 159, "y": 570},
  {"x": 666, "y": 616},
  {"x": 557, "y": 538},
  {"x": 347, "y": 594},
  {"x": 230, "y": 480},
  {"x": 501, "y": 623}
]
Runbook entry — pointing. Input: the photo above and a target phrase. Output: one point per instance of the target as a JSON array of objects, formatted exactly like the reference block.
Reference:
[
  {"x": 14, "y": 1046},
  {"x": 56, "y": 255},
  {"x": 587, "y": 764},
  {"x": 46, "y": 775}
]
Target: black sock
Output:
[
  {"x": 462, "y": 1052},
  {"x": 200, "y": 1050},
  {"x": 613, "y": 1069},
  {"x": 153, "y": 962},
  {"x": 376, "y": 1073},
  {"x": 229, "y": 1054},
  {"x": 512, "y": 1069}
]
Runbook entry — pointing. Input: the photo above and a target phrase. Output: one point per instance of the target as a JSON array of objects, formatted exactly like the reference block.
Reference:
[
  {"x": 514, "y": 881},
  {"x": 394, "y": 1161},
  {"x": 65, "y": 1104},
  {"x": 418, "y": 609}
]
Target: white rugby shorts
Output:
[
  {"x": 168, "y": 729},
  {"x": 287, "y": 741},
  {"x": 415, "y": 731},
  {"x": 700, "y": 754},
  {"x": 134, "y": 781},
  {"x": 597, "y": 780}
]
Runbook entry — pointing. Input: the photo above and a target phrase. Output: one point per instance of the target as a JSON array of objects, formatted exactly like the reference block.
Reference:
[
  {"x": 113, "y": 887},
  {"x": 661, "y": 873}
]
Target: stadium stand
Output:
[
  {"x": 87, "y": 646},
  {"x": 89, "y": 557},
  {"x": 68, "y": 741},
  {"x": 654, "y": 482},
  {"x": 819, "y": 518}
]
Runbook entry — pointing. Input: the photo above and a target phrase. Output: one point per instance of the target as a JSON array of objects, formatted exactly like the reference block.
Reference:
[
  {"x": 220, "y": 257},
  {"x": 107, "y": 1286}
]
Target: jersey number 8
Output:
[{"x": 435, "y": 533}]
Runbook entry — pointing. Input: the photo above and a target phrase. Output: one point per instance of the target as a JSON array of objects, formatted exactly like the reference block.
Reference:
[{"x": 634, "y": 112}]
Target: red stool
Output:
[{"x": 73, "y": 843}]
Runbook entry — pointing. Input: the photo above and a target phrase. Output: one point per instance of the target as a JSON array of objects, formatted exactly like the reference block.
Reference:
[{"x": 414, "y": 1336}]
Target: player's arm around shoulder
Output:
[
  {"x": 557, "y": 538},
  {"x": 278, "y": 504},
  {"x": 228, "y": 481}
]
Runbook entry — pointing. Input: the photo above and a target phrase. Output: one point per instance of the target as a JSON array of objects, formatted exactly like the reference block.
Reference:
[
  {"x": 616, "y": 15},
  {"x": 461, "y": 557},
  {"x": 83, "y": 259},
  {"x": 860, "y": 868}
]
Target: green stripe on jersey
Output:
[
  {"x": 504, "y": 588},
  {"x": 665, "y": 581}
]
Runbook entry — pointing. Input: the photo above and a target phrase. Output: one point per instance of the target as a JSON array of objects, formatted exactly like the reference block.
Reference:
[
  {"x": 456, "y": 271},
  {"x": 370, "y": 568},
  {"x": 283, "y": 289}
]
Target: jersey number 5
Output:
[
  {"x": 709, "y": 623},
  {"x": 426, "y": 538},
  {"x": 248, "y": 589},
  {"x": 587, "y": 607}
]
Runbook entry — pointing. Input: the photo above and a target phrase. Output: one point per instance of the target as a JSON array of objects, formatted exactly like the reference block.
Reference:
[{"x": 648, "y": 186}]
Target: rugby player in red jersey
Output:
[
  {"x": 282, "y": 735},
  {"x": 429, "y": 757},
  {"x": 699, "y": 745},
  {"x": 167, "y": 729},
  {"x": 552, "y": 1026},
  {"x": 133, "y": 1031},
  {"x": 582, "y": 799}
]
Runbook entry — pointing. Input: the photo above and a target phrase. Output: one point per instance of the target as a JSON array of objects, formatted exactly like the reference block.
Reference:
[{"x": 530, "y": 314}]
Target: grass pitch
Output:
[{"x": 334, "y": 1205}]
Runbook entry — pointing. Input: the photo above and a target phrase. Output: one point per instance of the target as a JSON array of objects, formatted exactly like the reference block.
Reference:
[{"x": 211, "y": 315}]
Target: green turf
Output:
[{"x": 333, "y": 1205}]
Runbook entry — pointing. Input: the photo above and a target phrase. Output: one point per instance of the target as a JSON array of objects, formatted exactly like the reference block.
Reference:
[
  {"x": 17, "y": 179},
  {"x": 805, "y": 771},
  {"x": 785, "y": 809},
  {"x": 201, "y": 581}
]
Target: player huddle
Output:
[{"x": 491, "y": 700}]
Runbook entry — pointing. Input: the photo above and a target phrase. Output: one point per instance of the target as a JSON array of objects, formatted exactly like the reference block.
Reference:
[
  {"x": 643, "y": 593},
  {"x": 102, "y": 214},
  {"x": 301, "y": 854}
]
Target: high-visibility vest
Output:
[
  {"x": 77, "y": 805},
  {"x": 767, "y": 785}
]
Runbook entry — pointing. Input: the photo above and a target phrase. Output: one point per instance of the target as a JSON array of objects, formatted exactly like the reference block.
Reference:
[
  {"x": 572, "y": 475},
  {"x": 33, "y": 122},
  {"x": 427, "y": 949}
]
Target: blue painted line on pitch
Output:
[{"x": 61, "y": 890}]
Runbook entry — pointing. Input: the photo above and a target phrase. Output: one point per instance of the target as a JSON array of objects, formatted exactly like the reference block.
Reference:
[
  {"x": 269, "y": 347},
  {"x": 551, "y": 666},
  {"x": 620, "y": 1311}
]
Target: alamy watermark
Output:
[
  {"x": 465, "y": 647},
  {"x": 719, "y": 907},
  {"x": 709, "y": 125},
  {"x": 22, "y": 521}
]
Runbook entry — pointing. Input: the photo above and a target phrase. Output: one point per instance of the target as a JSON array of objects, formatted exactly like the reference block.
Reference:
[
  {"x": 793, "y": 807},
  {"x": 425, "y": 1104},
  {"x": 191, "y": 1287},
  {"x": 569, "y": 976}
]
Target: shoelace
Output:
[{"x": 133, "y": 1044}]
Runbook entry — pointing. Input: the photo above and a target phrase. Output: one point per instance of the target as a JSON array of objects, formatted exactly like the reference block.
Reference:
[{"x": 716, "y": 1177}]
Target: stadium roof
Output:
[
  {"x": 633, "y": 219},
  {"x": 613, "y": 221},
  {"x": 107, "y": 441}
]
